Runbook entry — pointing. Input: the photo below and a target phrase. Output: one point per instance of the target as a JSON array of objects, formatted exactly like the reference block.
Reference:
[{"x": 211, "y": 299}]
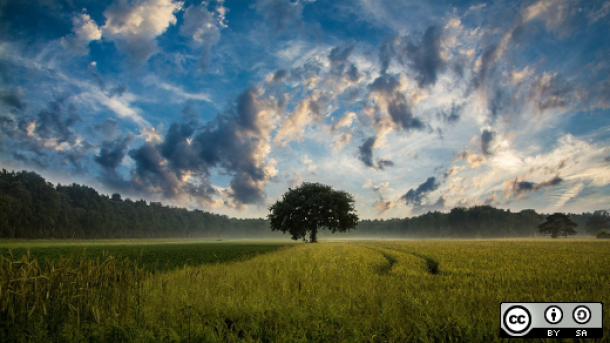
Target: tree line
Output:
[
  {"x": 477, "y": 222},
  {"x": 31, "y": 207}
]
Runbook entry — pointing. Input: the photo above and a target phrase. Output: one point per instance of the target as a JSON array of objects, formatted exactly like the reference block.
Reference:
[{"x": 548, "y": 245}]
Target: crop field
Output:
[
  {"x": 152, "y": 255},
  {"x": 363, "y": 291}
]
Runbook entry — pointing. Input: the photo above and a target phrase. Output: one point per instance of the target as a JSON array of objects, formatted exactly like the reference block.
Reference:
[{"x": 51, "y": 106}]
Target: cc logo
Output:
[{"x": 517, "y": 319}]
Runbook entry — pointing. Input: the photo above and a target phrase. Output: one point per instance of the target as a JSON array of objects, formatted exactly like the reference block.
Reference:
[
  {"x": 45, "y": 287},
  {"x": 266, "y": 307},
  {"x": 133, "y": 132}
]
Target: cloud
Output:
[
  {"x": 13, "y": 98},
  {"x": 46, "y": 137},
  {"x": 236, "y": 141},
  {"x": 453, "y": 115},
  {"x": 309, "y": 110},
  {"x": 388, "y": 91},
  {"x": 418, "y": 195},
  {"x": 108, "y": 128},
  {"x": 119, "y": 105},
  {"x": 365, "y": 154},
  {"x": 134, "y": 26},
  {"x": 487, "y": 137},
  {"x": 280, "y": 14},
  {"x": 454, "y": 170},
  {"x": 475, "y": 160},
  {"x": 279, "y": 75},
  {"x": 201, "y": 26},
  {"x": 111, "y": 153},
  {"x": 548, "y": 92},
  {"x": 423, "y": 59},
  {"x": 85, "y": 30},
  {"x": 520, "y": 187}
]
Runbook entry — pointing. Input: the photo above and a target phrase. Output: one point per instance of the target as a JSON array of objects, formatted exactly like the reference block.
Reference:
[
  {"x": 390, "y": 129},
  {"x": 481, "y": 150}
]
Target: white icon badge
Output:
[
  {"x": 581, "y": 314},
  {"x": 553, "y": 314},
  {"x": 517, "y": 319}
]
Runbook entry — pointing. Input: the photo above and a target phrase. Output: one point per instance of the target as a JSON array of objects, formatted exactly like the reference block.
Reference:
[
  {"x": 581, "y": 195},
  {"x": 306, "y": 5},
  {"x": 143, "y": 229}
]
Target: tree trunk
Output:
[{"x": 314, "y": 236}]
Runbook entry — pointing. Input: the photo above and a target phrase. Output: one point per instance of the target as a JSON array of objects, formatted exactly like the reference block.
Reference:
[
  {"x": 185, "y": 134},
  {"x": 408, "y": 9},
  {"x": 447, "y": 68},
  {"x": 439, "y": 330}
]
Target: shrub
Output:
[{"x": 603, "y": 233}]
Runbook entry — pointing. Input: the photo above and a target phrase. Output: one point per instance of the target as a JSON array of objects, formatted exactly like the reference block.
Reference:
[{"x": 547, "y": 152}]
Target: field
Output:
[{"x": 370, "y": 291}]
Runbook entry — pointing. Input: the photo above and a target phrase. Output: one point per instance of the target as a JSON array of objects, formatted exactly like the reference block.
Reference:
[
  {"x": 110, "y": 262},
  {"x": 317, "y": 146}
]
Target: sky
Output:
[{"x": 410, "y": 106}]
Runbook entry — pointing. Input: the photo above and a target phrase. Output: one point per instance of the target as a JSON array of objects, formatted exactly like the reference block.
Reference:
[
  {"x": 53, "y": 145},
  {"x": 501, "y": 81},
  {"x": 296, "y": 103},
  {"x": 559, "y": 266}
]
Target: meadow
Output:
[{"x": 364, "y": 291}]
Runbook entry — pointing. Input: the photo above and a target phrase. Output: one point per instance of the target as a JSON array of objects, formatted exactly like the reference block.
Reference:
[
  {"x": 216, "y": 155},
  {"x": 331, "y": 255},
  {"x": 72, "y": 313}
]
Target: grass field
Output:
[{"x": 374, "y": 291}]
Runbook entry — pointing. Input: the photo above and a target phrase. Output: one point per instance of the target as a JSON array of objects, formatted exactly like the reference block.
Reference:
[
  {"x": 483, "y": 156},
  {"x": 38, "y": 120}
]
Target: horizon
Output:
[{"x": 222, "y": 106}]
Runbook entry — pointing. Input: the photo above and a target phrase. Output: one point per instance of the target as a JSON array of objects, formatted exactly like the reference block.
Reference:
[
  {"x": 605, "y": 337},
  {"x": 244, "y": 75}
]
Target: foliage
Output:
[
  {"x": 311, "y": 207},
  {"x": 328, "y": 292},
  {"x": 600, "y": 220},
  {"x": 558, "y": 224},
  {"x": 603, "y": 233},
  {"x": 30, "y": 207},
  {"x": 485, "y": 221}
]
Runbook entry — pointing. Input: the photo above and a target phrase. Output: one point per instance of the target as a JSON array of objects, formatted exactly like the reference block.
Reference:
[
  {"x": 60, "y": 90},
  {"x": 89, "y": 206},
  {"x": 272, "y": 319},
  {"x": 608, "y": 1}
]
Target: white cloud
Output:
[
  {"x": 84, "y": 31},
  {"x": 134, "y": 26}
]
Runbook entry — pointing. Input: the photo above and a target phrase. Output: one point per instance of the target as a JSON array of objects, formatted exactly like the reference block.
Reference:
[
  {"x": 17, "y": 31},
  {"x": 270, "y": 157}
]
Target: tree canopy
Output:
[
  {"x": 310, "y": 207},
  {"x": 600, "y": 220},
  {"x": 558, "y": 224}
]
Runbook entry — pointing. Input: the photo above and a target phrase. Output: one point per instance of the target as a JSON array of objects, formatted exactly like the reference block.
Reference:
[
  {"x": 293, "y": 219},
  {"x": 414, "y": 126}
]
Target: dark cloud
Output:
[
  {"x": 280, "y": 14},
  {"x": 12, "y": 98},
  {"x": 386, "y": 53},
  {"x": 416, "y": 196},
  {"x": 311, "y": 68},
  {"x": 382, "y": 164},
  {"x": 279, "y": 75},
  {"x": 233, "y": 142},
  {"x": 365, "y": 152},
  {"x": 111, "y": 153},
  {"x": 339, "y": 63},
  {"x": 424, "y": 59},
  {"x": 151, "y": 172},
  {"x": 387, "y": 89},
  {"x": 53, "y": 124},
  {"x": 486, "y": 138},
  {"x": 519, "y": 188}
]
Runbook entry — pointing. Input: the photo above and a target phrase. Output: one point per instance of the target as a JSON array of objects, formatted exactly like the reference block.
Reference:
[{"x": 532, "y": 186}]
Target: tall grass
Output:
[
  {"x": 70, "y": 299},
  {"x": 358, "y": 291}
]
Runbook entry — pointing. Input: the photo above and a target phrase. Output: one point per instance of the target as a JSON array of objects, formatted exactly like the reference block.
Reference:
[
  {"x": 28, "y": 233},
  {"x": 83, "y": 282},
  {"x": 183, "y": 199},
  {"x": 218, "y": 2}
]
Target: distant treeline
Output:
[{"x": 31, "y": 207}]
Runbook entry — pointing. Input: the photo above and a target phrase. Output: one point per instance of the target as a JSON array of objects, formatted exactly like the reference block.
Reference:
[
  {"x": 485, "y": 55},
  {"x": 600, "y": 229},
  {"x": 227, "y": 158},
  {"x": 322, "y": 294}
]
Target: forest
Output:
[{"x": 32, "y": 208}]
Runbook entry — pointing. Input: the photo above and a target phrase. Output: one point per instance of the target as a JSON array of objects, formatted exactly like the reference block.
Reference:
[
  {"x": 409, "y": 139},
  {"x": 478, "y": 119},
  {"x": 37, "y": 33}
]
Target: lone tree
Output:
[
  {"x": 558, "y": 224},
  {"x": 311, "y": 207}
]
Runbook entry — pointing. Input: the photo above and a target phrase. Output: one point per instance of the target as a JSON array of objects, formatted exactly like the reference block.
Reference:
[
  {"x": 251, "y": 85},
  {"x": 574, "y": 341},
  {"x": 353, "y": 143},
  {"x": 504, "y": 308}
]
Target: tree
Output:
[
  {"x": 558, "y": 224},
  {"x": 311, "y": 207},
  {"x": 600, "y": 220}
]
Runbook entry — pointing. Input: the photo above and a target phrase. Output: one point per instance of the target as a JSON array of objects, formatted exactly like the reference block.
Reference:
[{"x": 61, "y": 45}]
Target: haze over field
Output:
[{"x": 223, "y": 105}]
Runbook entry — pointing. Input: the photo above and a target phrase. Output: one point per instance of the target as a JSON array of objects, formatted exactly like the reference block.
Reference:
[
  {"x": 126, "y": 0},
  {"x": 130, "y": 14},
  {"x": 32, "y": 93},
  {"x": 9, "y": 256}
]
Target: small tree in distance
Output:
[
  {"x": 311, "y": 207},
  {"x": 558, "y": 224}
]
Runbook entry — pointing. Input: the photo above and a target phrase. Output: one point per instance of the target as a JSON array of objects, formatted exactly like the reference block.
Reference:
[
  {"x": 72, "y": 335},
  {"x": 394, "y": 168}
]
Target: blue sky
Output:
[{"x": 410, "y": 106}]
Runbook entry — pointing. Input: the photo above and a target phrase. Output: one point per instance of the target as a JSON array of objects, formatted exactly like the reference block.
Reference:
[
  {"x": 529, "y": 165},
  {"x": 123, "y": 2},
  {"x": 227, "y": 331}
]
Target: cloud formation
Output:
[
  {"x": 84, "y": 31},
  {"x": 134, "y": 26},
  {"x": 418, "y": 195},
  {"x": 520, "y": 188}
]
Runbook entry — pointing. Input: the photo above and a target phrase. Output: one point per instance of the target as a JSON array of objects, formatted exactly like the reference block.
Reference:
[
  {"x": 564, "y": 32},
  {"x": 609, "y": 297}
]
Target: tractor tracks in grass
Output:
[{"x": 431, "y": 265}]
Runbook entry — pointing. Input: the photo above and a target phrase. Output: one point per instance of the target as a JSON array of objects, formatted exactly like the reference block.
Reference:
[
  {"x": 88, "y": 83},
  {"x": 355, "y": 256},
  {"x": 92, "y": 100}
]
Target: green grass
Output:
[
  {"x": 153, "y": 255},
  {"x": 400, "y": 291}
]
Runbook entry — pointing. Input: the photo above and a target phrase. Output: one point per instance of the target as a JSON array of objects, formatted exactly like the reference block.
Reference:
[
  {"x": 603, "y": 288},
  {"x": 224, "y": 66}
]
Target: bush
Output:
[{"x": 603, "y": 233}]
